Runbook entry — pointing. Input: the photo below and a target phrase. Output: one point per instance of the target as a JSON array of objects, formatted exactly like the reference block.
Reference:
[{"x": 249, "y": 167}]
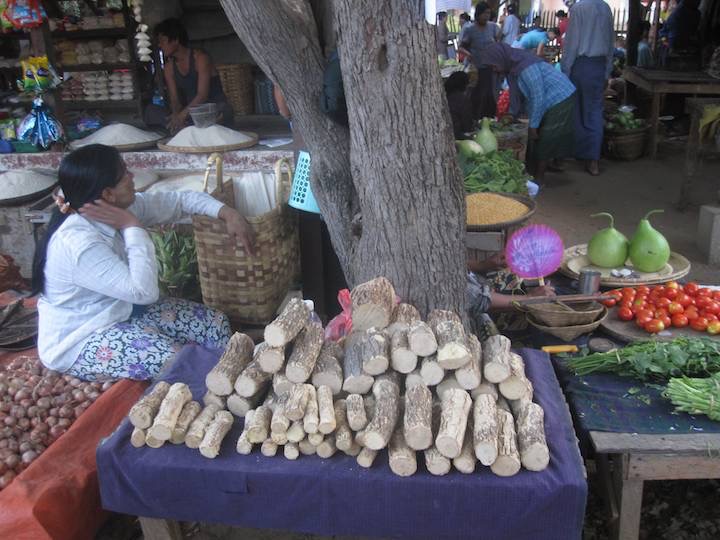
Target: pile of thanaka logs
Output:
[{"x": 395, "y": 382}]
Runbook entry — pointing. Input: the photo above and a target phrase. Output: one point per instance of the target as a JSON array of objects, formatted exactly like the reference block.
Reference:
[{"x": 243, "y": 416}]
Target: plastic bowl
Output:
[{"x": 204, "y": 115}]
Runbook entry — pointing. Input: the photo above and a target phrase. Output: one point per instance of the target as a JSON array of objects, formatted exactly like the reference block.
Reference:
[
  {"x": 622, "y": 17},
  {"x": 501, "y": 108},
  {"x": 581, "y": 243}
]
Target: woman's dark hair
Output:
[
  {"x": 441, "y": 15},
  {"x": 457, "y": 82},
  {"x": 174, "y": 30},
  {"x": 644, "y": 26},
  {"x": 481, "y": 8},
  {"x": 511, "y": 10},
  {"x": 465, "y": 16},
  {"x": 560, "y": 14},
  {"x": 554, "y": 30},
  {"x": 83, "y": 175}
]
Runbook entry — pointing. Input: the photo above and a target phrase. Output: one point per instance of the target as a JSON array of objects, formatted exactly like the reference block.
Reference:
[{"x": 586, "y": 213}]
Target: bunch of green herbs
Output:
[
  {"x": 177, "y": 263},
  {"x": 695, "y": 395},
  {"x": 496, "y": 172}
]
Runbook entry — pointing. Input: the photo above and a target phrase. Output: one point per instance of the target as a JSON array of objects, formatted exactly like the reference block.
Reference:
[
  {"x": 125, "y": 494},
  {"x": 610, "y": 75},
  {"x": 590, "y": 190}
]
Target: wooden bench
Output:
[{"x": 626, "y": 460}]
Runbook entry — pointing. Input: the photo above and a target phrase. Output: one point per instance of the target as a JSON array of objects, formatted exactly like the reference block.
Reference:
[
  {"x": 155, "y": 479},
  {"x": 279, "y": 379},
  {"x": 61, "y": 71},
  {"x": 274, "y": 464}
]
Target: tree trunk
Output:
[{"x": 395, "y": 164}]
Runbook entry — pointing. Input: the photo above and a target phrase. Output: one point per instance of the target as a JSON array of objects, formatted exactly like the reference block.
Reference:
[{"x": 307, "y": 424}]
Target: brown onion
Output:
[
  {"x": 26, "y": 403},
  {"x": 79, "y": 410},
  {"x": 51, "y": 421},
  {"x": 29, "y": 456},
  {"x": 12, "y": 461},
  {"x": 56, "y": 431},
  {"x": 74, "y": 382},
  {"x": 24, "y": 423},
  {"x": 24, "y": 447},
  {"x": 10, "y": 421},
  {"x": 60, "y": 400},
  {"x": 78, "y": 395},
  {"x": 106, "y": 386},
  {"x": 43, "y": 403},
  {"x": 6, "y": 478},
  {"x": 92, "y": 396},
  {"x": 64, "y": 422},
  {"x": 66, "y": 411},
  {"x": 53, "y": 411}
]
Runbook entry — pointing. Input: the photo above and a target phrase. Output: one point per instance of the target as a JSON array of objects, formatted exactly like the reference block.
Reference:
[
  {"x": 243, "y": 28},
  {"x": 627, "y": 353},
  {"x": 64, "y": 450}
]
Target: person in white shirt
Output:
[
  {"x": 100, "y": 315},
  {"x": 510, "y": 26}
]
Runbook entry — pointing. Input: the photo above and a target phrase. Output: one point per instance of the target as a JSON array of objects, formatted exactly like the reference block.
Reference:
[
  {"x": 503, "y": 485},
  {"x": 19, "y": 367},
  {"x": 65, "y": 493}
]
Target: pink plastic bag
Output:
[{"x": 341, "y": 325}]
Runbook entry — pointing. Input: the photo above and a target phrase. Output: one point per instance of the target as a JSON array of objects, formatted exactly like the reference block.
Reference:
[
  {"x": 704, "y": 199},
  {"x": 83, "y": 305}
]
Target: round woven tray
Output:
[
  {"x": 554, "y": 314},
  {"x": 527, "y": 201},
  {"x": 568, "y": 333},
  {"x": 211, "y": 149},
  {"x": 139, "y": 146},
  {"x": 17, "y": 201}
]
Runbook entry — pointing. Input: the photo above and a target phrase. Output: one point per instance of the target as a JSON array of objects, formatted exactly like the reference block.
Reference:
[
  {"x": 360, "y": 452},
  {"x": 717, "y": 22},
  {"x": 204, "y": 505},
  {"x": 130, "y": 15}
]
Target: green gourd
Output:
[
  {"x": 486, "y": 138},
  {"x": 649, "y": 250},
  {"x": 608, "y": 248}
]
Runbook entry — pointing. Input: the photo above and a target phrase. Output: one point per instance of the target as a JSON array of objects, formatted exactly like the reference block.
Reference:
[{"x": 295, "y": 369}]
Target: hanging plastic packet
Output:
[
  {"x": 7, "y": 130},
  {"x": 24, "y": 13},
  {"x": 40, "y": 127},
  {"x": 38, "y": 75}
]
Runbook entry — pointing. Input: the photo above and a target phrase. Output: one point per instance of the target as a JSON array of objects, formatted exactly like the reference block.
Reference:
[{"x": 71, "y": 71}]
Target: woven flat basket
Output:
[
  {"x": 568, "y": 333},
  {"x": 553, "y": 314},
  {"x": 249, "y": 289},
  {"x": 239, "y": 87}
]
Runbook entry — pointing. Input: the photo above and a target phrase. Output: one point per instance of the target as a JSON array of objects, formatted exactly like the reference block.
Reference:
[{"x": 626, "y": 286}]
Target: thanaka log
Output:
[
  {"x": 372, "y": 304},
  {"x": 326, "y": 410},
  {"x": 328, "y": 370},
  {"x": 137, "y": 438},
  {"x": 196, "y": 431},
  {"x": 403, "y": 359},
  {"x": 291, "y": 451},
  {"x": 401, "y": 457},
  {"x": 417, "y": 420},
  {"x": 508, "y": 460},
  {"x": 485, "y": 429},
  {"x": 469, "y": 376},
  {"x": 357, "y": 419},
  {"x": 466, "y": 461},
  {"x": 516, "y": 385},
  {"x": 270, "y": 359},
  {"x": 311, "y": 420},
  {"x": 387, "y": 404},
  {"x": 403, "y": 316},
  {"x": 305, "y": 353},
  {"x": 288, "y": 324},
  {"x": 374, "y": 351},
  {"x": 211, "y": 397},
  {"x": 435, "y": 462},
  {"x": 215, "y": 433},
  {"x": 421, "y": 339},
  {"x": 431, "y": 372},
  {"x": 259, "y": 425},
  {"x": 143, "y": 413},
  {"x": 251, "y": 380},
  {"x": 453, "y": 422},
  {"x": 496, "y": 358},
  {"x": 244, "y": 446},
  {"x": 189, "y": 412},
  {"x": 356, "y": 380},
  {"x": 170, "y": 408},
  {"x": 238, "y": 353}
]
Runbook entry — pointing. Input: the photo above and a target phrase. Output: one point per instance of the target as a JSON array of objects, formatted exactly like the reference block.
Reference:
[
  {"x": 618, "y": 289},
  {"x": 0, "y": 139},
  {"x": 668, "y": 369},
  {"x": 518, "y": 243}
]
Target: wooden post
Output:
[
  {"x": 633, "y": 36},
  {"x": 629, "y": 496}
]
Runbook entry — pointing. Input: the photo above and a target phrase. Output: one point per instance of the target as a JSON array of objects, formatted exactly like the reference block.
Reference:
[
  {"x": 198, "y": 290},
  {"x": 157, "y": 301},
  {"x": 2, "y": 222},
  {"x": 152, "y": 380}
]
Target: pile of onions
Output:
[{"x": 37, "y": 405}]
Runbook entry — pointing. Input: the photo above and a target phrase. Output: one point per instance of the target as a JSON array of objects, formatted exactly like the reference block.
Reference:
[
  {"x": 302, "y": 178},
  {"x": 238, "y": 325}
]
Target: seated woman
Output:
[
  {"x": 190, "y": 76},
  {"x": 550, "y": 102},
  {"x": 96, "y": 273}
]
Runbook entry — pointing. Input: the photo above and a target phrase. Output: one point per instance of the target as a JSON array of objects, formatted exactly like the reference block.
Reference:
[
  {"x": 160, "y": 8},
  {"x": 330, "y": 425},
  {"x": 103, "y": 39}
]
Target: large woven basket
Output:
[
  {"x": 568, "y": 333},
  {"x": 238, "y": 85},
  {"x": 554, "y": 314},
  {"x": 627, "y": 145},
  {"x": 248, "y": 289}
]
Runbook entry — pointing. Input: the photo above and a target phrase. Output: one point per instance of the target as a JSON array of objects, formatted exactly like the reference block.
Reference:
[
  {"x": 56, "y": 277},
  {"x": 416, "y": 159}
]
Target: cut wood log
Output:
[
  {"x": 403, "y": 316},
  {"x": 508, "y": 460},
  {"x": 279, "y": 438},
  {"x": 215, "y": 433},
  {"x": 413, "y": 379},
  {"x": 305, "y": 352},
  {"x": 143, "y": 413},
  {"x": 403, "y": 359},
  {"x": 435, "y": 462},
  {"x": 534, "y": 452},
  {"x": 485, "y": 429},
  {"x": 137, "y": 438},
  {"x": 311, "y": 420},
  {"x": 401, "y": 457},
  {"x": 387, "y": 404},
  {"x": 315, "y": 438},
  {"x": 496, "y": 358},
  {"x": 251, "y": 380},
  {"x": 296, "y": 433},
  {"x": 453, "y": 422},
  {"x": 357, "y": 419},
  {"x": 152, "y": 442},
  {"x": 288, "y": 324},
  {"x": 270, "y": 359},
  {"x": 239, "y": 405},
  {"x": 354, "y": 450},
  {"x": 244, "y": 446},
  {"x": 297, "y": 401},
  {"x": 280, "y": 422},
  {"x": 170, "y": 408},
  {"x": 373, "y": 303},
  {"x": 259, "y": 425},
  {"x": 366, "y": 457},
  {"x": 210, "y": 397},
  {"x": 466, "y": 461},
  {"x": 452, "y": 350},
  {"x": 417, "y": 421},
  {"x": 306, "y": 448},
  {"x": 189, "y": 412},
  {"x": 238, "y": 353},
  {"x": 485, "y": 388},
  {"x": 343, "y": 434},
  {"x": 469, "y": 376},
  {"x": 448, "y": 383},
  {"x": 326, "y": 409},
  {"x": 328, "y": 369},
  {"x": 356, "y": 380},
  {"x": 196, "y": 431},
  {"x": 421, "y": 339},
  {"x": 281, "y": 384},
  {"x": 291, "y": 451},
  {"x": 375, "y": 352},
  {"x": 431, "y": 372},
  {"x": 516, "y": 385},
  {"x": 327, "y": 448},
  {"x": 269, "y": 448}
]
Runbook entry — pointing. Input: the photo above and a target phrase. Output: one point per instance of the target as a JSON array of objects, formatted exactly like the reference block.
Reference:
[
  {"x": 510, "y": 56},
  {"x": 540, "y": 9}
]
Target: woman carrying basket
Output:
[{"x": 100, "y": 316}]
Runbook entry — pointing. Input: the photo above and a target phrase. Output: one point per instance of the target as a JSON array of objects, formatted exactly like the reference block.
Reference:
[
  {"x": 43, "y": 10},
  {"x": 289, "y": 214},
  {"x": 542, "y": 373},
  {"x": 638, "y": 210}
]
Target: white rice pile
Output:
[
  {"x": 19, "y": 183},
  {"x": 215, "y": 135},
  {"x": 192, "y": 182},
  {"x": 143, "y": 178},
  {"x": 117, "y": 135}
]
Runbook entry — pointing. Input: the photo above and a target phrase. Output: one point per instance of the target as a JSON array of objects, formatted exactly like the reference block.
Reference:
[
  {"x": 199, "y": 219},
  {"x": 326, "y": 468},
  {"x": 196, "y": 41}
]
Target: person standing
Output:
[
  {"x": 645, "y": 55},
  {"x": 588, "y": 61},
  {"x": 510, "y": 27},
  {"x": 477, "y": 38},
  {"x": 442, "y": 35},
  {"x": 562, "y": 25}
]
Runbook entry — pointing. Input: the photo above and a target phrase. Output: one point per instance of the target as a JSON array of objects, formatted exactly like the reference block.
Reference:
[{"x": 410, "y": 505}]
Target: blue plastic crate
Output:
[{"x": 301, "y": 196}]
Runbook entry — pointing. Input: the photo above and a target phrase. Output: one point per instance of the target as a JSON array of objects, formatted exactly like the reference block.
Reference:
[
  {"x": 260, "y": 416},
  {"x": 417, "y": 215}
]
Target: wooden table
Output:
[
  {"x": 626, "y": 460},
  {"x": 659, "y": 82},
  {"x": 695, "y": 107}
]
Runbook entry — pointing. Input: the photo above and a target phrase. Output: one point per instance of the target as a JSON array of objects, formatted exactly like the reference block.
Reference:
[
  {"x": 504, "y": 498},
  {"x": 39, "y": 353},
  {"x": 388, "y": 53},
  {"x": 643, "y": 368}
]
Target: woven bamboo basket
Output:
[
  {"x": 568, "y": 333},
  {"x": 248, "y": 289},
  {"x": 554, "y": 314},
  {"x": 627, "y": 145},
  {"x": 237, "y": 83}
]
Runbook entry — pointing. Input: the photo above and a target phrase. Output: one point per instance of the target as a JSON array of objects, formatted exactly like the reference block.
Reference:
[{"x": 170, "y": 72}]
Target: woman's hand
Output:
[
  {"x": 177, "y": 121},
  {"x": 238, "y": 228},
  {"x": 545, "y": 290},
  {"x": 104, "y": 212}
]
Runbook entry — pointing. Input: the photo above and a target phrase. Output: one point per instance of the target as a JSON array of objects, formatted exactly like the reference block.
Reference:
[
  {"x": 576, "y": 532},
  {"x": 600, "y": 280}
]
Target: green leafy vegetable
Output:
[
  {"x": 696, "y": 396},
  {"x": 497, "y": 172},
  {"x": 177, "y": 263}
]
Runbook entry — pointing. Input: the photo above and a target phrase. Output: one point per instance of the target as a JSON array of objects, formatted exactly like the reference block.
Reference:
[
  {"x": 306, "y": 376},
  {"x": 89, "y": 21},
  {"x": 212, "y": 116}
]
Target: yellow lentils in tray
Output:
[{"x": 490, "y": 208}]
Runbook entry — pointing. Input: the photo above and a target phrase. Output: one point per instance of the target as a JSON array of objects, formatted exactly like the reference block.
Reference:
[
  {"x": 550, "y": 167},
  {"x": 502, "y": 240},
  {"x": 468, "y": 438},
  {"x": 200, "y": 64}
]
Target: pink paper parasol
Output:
[{"x": 534, "y": 252}]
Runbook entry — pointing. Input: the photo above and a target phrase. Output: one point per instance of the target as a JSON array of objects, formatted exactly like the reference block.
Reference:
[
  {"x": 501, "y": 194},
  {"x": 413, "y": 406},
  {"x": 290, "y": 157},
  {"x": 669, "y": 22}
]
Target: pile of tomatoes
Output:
[{"x": 670, "y": 305}]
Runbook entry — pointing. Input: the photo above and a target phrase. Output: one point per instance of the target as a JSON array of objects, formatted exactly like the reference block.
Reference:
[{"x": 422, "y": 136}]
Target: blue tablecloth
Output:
[{"x": 336, "y": 496}]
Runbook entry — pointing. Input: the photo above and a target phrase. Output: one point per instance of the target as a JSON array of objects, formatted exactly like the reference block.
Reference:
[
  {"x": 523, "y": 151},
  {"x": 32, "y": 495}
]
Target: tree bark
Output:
[{"x": 395, "y": 162}]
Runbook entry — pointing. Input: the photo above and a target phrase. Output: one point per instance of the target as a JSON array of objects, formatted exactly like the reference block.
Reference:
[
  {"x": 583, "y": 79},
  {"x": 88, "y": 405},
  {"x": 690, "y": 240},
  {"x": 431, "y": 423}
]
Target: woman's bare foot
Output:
[{"x": 593, "y": 167}]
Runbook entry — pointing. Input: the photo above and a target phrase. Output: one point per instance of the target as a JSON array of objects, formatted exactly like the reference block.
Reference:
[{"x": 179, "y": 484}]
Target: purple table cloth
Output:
[{"x": 338, "y": 497}]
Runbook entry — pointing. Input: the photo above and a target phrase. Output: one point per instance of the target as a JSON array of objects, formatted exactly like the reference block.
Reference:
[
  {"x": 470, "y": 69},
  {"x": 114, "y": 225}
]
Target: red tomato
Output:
[
  {"x": 716, "y": 295},
  {"x": 670, "y": 293},
  {"x": 684, "y": 300},
  {"x": 704, "y": 291},
  {"x": 625, "y": 314},
  {"x": 679, "y": 320},
  {"x": 643, "y": 290},
  {"x": 666, "y": 320},
  {"x": 702, "y": 302},
  {"x": 660, "y": 312},
  {"x": 663, "y": 302},
  {"x": 714, "y": 327},
  {"x": 625, "y": 303},
  {"x": 700, "y": 324},
  {"x": 672, "y": 285},
  {"x": 615, "y": 294},
  {"x": 659, "y": 290},
  {"x": 628, "y": 291},
  {"x": 674, "y": 308},
  {"x": 691, "y": 313},
  {"x": 641, "y": 319},
  {"x": 654, "y": 326},
  {"x": 711, "y": 317},
  {"x": 691, "y": 288},
  {"x": 639, "y": 302},
  {"x": 610, "y": 302},
  {"x": 713, "y": 307}
]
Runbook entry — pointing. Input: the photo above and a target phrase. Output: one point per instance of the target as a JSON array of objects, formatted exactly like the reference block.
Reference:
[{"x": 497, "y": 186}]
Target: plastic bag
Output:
[
  {"x": 40, "y": 127},
  {"x": 24, "y": 13},
  {"x": 341, "y": 325}
]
